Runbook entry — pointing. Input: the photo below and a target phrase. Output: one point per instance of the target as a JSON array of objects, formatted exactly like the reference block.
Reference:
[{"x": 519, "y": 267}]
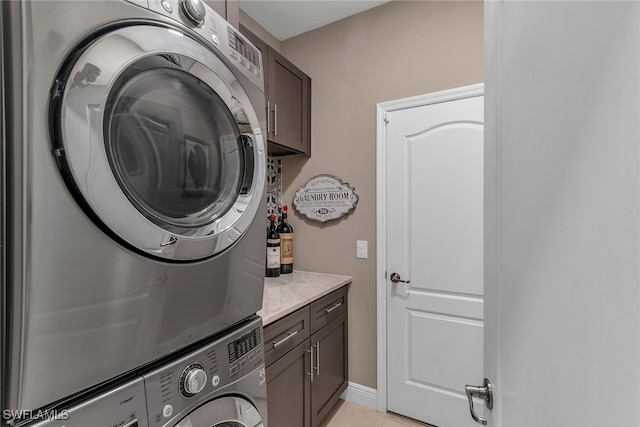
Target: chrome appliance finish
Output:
[{"x": 80, "y": 282}]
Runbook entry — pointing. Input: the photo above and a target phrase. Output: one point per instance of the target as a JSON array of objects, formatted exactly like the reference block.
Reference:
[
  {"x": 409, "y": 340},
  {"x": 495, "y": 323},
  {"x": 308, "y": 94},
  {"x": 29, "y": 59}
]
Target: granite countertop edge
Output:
[{"x": 288, "y": 292}]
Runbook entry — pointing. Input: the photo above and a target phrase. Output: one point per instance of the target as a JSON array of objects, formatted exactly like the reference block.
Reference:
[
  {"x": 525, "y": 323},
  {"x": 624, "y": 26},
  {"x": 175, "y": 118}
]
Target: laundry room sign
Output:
[{"x": 324, "y": 198}]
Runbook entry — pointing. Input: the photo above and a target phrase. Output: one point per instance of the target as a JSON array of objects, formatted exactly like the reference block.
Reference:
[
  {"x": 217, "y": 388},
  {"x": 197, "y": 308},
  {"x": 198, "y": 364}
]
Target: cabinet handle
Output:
[
  {"x": 310, "y": 351},
  {"x": 285, "y": 339},
  {"x": 317, "y": 368},
  {"x": 333, "y": 307},
  {"x": 275, "y": 119},
  {"x": 268, "y": 113}
]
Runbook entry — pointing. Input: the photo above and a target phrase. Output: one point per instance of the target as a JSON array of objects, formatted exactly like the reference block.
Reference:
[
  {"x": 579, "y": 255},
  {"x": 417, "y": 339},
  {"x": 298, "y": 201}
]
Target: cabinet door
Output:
[
  {"x": 290, "y": 105},
  {"x": 329, "y": 353},
  {"x": 288, "y": 389}
]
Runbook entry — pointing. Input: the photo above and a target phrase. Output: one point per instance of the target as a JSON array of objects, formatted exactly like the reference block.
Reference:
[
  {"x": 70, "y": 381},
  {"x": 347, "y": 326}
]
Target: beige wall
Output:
[{"x": 397, "y": 50}]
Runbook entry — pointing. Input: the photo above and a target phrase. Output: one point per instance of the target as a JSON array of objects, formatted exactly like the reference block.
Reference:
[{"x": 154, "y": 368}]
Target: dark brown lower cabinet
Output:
[
  {"x": 329, "y": 350},
  {"x": 304, "y": 383},
  {"x": 288, "y": 389}
]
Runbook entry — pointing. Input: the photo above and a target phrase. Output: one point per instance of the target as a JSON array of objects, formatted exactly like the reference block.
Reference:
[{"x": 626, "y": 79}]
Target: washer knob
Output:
[
  {"x": 194, "y": 381},
  {"x": 194, "y": 10}
]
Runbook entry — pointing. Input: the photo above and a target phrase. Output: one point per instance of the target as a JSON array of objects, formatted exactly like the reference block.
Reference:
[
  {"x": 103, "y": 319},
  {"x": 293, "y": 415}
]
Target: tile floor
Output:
[{"x": 347, "y": 414}]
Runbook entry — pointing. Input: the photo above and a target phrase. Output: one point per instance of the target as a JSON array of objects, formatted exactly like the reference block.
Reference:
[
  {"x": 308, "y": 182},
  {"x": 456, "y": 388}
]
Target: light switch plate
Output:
[{"x": 362, "y": 249}]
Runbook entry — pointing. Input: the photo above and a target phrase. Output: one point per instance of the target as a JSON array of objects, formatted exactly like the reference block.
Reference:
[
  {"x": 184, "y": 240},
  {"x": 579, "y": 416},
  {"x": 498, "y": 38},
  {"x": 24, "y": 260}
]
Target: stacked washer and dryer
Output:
[{"x": 133, "y": 172}]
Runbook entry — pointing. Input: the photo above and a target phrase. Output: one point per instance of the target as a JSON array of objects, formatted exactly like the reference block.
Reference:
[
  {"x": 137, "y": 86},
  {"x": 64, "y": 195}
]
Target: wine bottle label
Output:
[
  {"x": 273, "y": 257},
  {"x": 273, "y": 241},
  {"x": 286, "y": 248}
]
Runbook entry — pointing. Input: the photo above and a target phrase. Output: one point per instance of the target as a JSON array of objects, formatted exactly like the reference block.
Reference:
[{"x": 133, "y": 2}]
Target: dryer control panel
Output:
[{"x": 221, "y": 35}]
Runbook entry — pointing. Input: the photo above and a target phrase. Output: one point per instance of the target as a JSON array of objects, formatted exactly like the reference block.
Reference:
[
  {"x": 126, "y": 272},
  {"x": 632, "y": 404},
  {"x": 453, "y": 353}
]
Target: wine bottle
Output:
[
  {"x": 285, "y": 230},
  {"x": 273, "y": 249}
]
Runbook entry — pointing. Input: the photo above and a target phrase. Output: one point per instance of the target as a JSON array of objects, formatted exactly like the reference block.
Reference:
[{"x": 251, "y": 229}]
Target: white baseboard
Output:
[{"x": 361, "y": 395}]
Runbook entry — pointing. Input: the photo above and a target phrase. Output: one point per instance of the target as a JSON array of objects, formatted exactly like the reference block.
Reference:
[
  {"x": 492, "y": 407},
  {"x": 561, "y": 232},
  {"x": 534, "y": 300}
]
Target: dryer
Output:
[{"x": 133, "y": 188}]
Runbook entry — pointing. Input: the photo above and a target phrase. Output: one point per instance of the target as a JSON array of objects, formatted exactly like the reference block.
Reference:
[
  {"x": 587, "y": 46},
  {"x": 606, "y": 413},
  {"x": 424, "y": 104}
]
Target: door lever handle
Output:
[
  {"x": 486, "y": 393},
  {"x": 395, "y": 278}
]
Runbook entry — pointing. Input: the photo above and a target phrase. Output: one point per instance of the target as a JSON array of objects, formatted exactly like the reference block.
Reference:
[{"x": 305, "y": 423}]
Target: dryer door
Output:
[
  {"x": 230, "y": 411},
  {"x": 159, "y": 143}
]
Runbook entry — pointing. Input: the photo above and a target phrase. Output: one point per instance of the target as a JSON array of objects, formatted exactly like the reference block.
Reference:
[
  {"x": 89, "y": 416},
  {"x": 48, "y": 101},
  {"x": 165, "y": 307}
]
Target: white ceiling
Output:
[{"x": 288, "y": 18}]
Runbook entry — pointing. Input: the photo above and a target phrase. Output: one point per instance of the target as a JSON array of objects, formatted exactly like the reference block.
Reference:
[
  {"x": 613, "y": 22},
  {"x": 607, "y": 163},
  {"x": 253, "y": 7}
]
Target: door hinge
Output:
[{"x": 385, "y": 117}]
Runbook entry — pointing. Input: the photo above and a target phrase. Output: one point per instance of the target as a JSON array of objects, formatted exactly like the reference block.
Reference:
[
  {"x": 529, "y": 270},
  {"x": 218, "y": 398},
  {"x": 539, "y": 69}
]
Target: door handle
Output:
[
  {"x": 486, "y": 393},
  {"x": 395, "y": 278}
]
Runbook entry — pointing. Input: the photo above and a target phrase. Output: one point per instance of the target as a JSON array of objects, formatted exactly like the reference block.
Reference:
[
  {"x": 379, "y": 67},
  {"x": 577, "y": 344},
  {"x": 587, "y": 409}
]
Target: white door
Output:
[
  {"x": 434, "y": 239},
  {"x": 562, "y": 272}
]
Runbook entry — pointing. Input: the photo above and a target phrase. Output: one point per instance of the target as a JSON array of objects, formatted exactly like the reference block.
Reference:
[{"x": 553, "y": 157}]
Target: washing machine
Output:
[
  {"x": 221, "y": 384},
  {"x": 133, "y": 175}
]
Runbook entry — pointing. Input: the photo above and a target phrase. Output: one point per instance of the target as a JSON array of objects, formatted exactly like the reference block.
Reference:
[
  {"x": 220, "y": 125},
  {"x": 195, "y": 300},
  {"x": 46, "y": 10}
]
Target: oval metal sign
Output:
[{"x": 324, "y": 198}]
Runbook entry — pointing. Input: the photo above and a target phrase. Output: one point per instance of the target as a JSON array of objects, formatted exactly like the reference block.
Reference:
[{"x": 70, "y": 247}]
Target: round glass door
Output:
[
  {"x": 181, "y": 163},
  {"x": 160, "y": 142}
]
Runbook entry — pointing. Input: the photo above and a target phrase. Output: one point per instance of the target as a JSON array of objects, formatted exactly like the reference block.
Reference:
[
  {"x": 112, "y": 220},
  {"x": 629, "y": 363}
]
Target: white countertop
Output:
[{"x": 289, "y": 292}]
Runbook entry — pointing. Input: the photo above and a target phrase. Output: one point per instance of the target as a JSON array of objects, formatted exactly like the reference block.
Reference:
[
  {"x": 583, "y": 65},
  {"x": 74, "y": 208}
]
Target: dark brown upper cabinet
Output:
[
  {"x": 288, "y": 101},
  {"x": 228, "y": 9}
]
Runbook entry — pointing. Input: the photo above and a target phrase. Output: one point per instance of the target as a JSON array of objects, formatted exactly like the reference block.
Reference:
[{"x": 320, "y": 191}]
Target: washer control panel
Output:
[{"x": 210, "y": 370}]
